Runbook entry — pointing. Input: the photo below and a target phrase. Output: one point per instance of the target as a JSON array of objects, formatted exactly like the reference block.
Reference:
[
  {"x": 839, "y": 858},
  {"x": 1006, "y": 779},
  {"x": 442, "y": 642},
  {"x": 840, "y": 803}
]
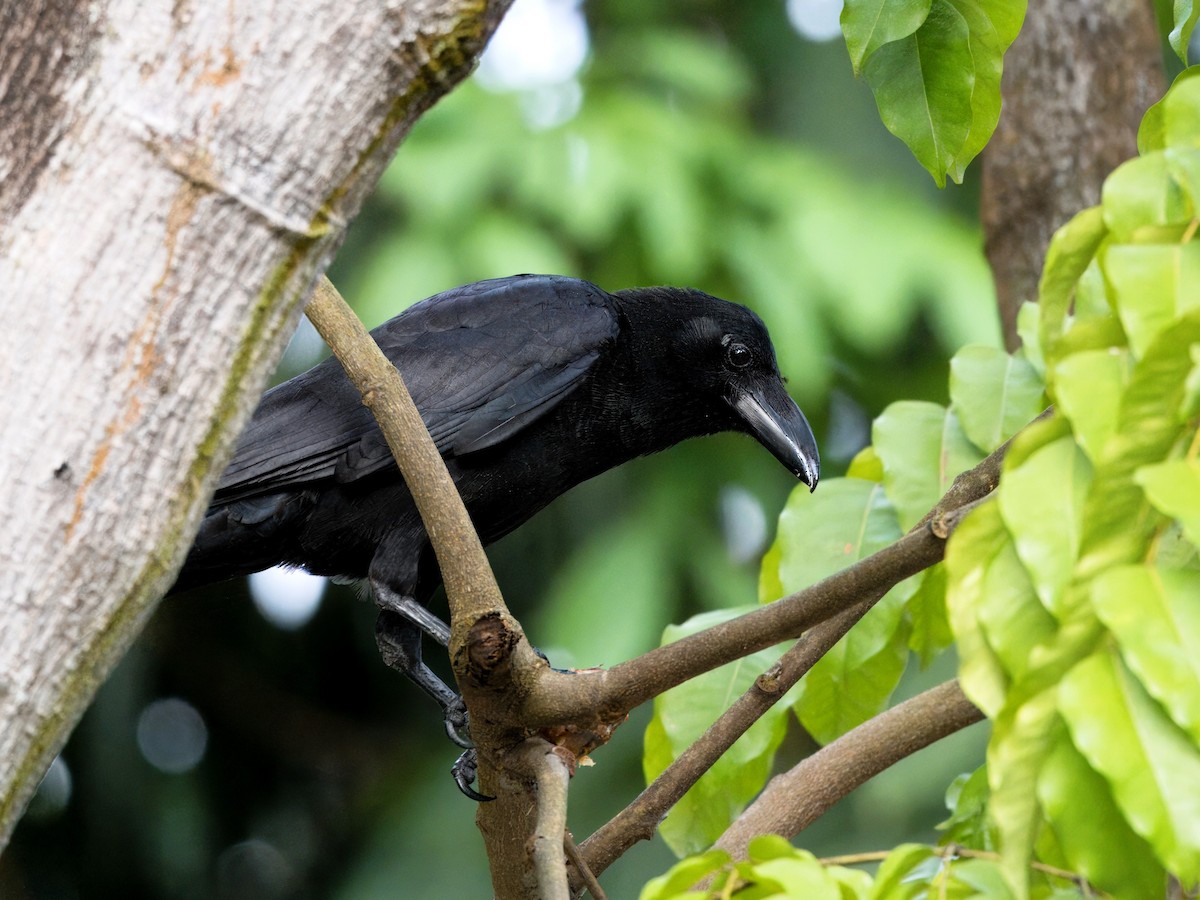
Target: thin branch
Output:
[
  {"x": 585, "y": 874},
  {"x": 638, "y": 821},
  {"x": 796, "y": 799}
]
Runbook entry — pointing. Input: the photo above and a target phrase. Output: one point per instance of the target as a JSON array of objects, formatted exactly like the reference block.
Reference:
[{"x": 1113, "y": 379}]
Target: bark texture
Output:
[
  {"x": 1076, "y": 83},
  {"x": 172, "y": 179}
]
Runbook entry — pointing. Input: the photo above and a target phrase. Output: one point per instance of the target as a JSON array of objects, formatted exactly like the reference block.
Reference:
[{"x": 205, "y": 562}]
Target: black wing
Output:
[{"x": 481, "y": 362}]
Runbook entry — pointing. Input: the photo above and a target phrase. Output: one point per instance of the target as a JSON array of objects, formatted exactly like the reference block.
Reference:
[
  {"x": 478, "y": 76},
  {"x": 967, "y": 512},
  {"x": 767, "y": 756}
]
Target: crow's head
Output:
[{"x": 720, "y": 361}]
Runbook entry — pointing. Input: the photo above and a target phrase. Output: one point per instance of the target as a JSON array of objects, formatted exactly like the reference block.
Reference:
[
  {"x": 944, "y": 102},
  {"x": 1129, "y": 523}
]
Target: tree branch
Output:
[{"x": 793, "y": 801}]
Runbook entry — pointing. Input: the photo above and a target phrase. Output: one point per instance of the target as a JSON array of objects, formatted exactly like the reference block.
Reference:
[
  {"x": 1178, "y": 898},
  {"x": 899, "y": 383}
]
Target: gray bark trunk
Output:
[{"x": 172, "y": 179}]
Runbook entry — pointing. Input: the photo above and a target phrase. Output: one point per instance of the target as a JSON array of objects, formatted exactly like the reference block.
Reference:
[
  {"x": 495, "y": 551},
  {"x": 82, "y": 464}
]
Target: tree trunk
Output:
[
  {"x": 1076, "y": 83},
  {"x": 172, "y": 179}
]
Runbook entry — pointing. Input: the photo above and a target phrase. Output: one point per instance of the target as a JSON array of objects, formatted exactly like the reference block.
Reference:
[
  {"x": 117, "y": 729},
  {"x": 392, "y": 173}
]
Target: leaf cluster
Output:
[{"x": 1072, "y": 594}]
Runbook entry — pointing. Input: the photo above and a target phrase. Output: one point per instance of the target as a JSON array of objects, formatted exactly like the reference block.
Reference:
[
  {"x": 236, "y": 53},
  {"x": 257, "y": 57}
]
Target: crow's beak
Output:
[{"x": 776, "y": 421}]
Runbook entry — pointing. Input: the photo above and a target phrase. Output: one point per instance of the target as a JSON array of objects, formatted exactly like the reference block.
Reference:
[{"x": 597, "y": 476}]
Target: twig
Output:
[
  {"x": 581, "y": 867},
  {"x": 794, "y": 800},
  {"x": 640, "y": 818}
]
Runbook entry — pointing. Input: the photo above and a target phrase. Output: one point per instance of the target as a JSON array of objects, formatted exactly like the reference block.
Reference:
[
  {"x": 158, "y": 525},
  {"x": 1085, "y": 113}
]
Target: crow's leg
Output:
[
  {"x": 400, "y": 645},
  {"x": 414, "y": 612}
]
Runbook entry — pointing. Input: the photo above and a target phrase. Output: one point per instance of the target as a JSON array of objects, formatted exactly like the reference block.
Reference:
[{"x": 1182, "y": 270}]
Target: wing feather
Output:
[{"x": 482, "y": 362}]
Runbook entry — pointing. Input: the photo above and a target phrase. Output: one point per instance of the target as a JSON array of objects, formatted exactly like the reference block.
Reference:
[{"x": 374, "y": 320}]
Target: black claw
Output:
[
  {"x": 464, "y": 770},
  {"x": 458, "y": 723}
]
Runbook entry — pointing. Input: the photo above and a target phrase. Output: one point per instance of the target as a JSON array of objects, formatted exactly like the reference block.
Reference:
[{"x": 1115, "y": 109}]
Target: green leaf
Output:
[
  {"x": 923, "y": 448},
  {"x": 967, "y": 800},
  {"x": 930, "y": 633},
  {"x": 776, "y": 869},
  {"x": 1151, "y": 285},
  {"x": 676, "y": 883},
  {"x": 1071, "y": 251},
  {"x": 894, "y": 880},
  {"x": 1093, "y": 836},
  {"x": 1153, "y": 768},
  {"x": 976, "y": 541},
  {"x": 866, "y": 465},
  {"x": 869, "y": 24},
  {"x": 1087, "y": 388},
  {"x": 1173, "y": 120},
  {"x": 1174, "y": 489},
  {"x": 994, "y": 394},
  {"x": 1042, "y": 502},
  {"x": 1022, "y": 737},
  {"x": 993, "y": 25},
  {"x": 683, "y": 713},
  {"x": 822, "y": 533},
  {"x": 1155, "y": 617},
  {"x": 854, "y": 680},
  {"x": 1119, "y": 523},
  {"x": 923, "y": 85}
]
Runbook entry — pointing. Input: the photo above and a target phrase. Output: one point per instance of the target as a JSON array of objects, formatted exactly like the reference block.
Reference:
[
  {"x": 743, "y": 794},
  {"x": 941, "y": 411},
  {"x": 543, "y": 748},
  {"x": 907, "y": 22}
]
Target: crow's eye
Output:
[{"x": 738, "y": 355}]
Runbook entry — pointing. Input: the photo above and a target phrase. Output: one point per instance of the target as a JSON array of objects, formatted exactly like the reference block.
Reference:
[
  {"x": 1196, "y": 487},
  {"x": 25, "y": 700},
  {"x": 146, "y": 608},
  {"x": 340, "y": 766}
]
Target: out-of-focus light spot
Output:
[
  {"x": 539, "y": 43},
  {"x": 817, "y": 20},
  {"x": 743, "y": 523},
  {"x": 172, "y": 735},
  {"x": 287, "y": 598},
  {"x": 254, "y": 870},
  {"x": 548, "y": 107},
  {"x": 53, "y": 794}
]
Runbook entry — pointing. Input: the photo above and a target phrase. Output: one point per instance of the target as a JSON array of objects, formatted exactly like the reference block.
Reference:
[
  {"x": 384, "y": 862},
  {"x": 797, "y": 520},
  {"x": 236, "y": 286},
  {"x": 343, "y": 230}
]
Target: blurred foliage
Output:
[{"x": 711, "y": 147}]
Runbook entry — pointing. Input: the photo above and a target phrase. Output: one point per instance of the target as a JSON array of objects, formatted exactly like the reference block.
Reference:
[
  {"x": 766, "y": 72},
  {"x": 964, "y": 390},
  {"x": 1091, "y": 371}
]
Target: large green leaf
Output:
[
  {"x": 1173, "y": 488},
  {"x": 1042, "y": 502},
  {"x": 1155, "y": 616},
  {"x": 994, "y": 394},
  {"x": 923, "y": 448},
  {"x": 977, "y": 540},
  {"x": 1087, "y": 389},
  {"x": 683, "y": 713},
  {"x": 1152, "y": 766},
  {"x": 1118, "y": 522},
  {"x": 930, "y": 632},
  {"x": 1070, "y": 253},
  {"x": 1151, "y": 285},
  {"x": 1091, "y": 830},
  {"x": 1175, "y": 119},
  {"x": 934, "y": 68},
  {"x": 923, "y": 85},
  {"x": 819, "y": 534},
  {"x": 1022, "y": 738},
  {"x": 993, "y": 25},
  {"x": 869, "y": 24},
  {"x": 853, "y": 681}
]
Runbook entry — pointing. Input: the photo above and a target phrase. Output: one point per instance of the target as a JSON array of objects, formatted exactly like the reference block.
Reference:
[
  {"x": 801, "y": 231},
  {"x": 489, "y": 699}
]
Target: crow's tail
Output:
[{"x": 240, "y": 538}]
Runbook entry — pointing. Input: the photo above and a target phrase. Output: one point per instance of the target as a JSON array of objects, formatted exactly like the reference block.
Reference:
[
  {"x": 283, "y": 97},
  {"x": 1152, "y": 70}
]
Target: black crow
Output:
[{"x": 529, "y": 385}]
